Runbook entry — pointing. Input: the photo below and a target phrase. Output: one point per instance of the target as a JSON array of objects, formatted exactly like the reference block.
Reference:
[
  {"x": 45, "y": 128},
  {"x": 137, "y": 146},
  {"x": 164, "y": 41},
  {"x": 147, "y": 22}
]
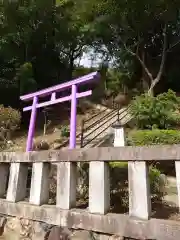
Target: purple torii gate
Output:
[{"x": 53, "y": 100}]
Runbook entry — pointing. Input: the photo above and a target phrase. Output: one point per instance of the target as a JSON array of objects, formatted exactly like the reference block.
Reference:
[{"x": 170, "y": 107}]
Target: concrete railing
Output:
[{"x": 137, "y": 224}]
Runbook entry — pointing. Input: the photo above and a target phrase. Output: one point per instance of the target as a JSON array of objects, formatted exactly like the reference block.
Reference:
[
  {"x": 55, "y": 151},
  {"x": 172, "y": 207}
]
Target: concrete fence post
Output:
[
  {"x": 99, "y": 187},
  {"x": 177, "y": 169},
  {"x": 139, "y": 190},
  {"x": 17, "y": 182},
  {"x": 4, "y": 170},
  {"x": 39, "y": 193},
  {"x": 66, "y": 185}
]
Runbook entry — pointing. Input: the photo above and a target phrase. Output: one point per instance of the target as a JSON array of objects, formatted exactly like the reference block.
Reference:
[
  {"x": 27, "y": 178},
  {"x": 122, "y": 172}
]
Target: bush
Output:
[
  {"x": 157, "y": 186},
  {"x": 156, "y": 112},
  {"x": 153, "y": 137},
  {"x": 9, "y": 122},
  {"x": 119, "y": 185},
  {"x": 65, "y": 131},
  {"x": 26, "y": 79},
  {"x": 156, "y": 137}
]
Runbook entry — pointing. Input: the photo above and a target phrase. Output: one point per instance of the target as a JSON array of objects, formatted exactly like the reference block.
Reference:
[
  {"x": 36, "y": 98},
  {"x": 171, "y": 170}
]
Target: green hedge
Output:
[
  {"x": 152, "y": 137},
  {"x": 160, "y": 112}
]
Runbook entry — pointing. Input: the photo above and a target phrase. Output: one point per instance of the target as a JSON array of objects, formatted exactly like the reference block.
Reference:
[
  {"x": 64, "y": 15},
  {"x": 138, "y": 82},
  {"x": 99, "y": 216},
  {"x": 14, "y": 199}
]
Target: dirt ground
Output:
[{"x": 58, "y": 117}]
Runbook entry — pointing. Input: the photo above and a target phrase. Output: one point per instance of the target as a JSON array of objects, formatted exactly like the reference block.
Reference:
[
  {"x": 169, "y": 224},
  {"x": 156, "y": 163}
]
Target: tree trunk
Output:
[
  {"x": 141, "y": 59},
  {"x": 71, "y": 67},
  {"x": 145, "y": 78}
]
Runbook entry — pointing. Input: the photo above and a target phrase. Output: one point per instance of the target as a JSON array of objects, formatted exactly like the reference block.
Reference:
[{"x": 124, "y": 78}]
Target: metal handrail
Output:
[
  {"x": 95, "y": 115},
  {"x": 96, "y": 135},
  {"x": 83, "y": 129},
  {"x": 99, "y": 120},
  {"x": 83, "y": 145},
  {"x": 99, "y": 126}
]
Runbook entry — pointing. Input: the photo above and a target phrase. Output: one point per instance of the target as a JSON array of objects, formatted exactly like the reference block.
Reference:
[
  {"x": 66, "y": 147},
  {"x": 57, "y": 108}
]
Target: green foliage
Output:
[
  {"x": 117, "y": 81},
  {"x": 52, "y": 37},
  {"x": 26, "y": 80},
  {"x": 81, "y": 71},
  {"x": 118, "y": 164},
  {"x": 153, "y": 137},
  {"x": 9, "y": 122},
  {"x": 134, "y": 32},
  {"x": 65, "y": 131},
  {"x": 169, "y": 99},
  {"x": 119, "y": 184},
  {"x": 156, "y": 183},
  {"x": 156, "y": 112},
  {"x": 9, "y": 118},
  {"x": 40, "y": 42}
]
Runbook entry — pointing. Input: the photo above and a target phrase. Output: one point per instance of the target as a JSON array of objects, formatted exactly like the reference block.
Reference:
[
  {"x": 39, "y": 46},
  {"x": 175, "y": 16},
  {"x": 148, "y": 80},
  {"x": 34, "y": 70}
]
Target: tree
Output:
[
  {"x": 145, "y": 31},
  {"x": 71, "y": 33},
  {"x": 47, "y": 35}
]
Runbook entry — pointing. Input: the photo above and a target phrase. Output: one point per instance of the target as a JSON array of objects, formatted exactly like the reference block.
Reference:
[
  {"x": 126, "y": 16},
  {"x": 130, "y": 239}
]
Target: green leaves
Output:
[
  {"x": 52, "y": 36},
  {"x": 153, "y": 137},
  {"x": 25, "y": 78},
  {"x": 161, "y": 111}
]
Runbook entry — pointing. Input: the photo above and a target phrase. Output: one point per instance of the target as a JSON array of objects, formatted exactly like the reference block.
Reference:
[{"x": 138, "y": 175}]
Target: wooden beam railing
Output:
[{"x": 138, "y": 224}]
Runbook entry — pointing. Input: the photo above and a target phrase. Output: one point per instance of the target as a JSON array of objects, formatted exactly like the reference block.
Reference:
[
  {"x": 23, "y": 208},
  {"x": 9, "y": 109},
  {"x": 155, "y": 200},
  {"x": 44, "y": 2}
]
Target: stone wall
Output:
[
  {"x": 13, "y": 228},
  {"x": 138, "y": 223}
]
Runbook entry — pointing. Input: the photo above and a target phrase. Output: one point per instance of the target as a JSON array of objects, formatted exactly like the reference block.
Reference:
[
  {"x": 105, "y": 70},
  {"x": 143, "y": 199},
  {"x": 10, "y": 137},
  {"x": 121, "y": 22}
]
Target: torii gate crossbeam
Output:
[{"x": 53, "y": 100}]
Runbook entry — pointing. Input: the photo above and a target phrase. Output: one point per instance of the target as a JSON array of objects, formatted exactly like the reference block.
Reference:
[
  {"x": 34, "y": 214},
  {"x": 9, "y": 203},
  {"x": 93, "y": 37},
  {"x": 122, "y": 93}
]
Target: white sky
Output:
[
  {"x": 87, "y": 61},
  {"x": 91, "y": 58}
]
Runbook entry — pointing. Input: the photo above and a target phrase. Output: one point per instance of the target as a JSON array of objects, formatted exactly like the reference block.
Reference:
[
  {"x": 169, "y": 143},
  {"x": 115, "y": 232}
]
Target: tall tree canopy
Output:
[
  {"x": 146, "y": 32},
  {"x": 41, "y": 40}
]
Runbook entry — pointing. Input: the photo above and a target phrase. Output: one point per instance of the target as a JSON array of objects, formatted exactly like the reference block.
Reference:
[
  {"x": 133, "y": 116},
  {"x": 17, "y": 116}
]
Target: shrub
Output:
[
  {"x": 160, "y": 112},
  {"x": 152, "y": 137},
  {"x": 119, "y": 185},
  {"x": 155, "y": 137},
  {"x": 26, "y": 78},
  {"x": 157, "y": 186},
  {"x": 9, "y": 122},
  {"x": 169, "y": 99},
  {"x": 65, "y": 131}
]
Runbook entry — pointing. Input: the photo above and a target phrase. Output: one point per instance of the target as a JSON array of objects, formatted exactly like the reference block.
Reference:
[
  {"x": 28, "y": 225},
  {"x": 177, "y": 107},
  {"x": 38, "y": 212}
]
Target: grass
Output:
[{"x": 118, "y": 164}]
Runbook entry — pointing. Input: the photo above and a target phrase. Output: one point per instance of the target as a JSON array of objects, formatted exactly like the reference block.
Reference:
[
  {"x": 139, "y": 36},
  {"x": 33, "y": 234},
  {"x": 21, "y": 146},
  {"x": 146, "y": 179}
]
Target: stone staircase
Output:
[{"x": 98, "y": 128}]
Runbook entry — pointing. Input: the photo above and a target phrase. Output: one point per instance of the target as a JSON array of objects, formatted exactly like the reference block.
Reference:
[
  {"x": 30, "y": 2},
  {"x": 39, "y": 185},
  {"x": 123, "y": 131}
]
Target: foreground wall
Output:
[
  {"x": 13, "y": 228},
  {"x": 138, "y": 223}
]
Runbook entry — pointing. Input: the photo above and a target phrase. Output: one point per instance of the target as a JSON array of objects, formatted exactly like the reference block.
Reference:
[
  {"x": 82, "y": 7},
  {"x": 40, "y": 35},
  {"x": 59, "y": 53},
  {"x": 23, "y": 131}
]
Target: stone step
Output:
[{"x": 98, "y": 134}]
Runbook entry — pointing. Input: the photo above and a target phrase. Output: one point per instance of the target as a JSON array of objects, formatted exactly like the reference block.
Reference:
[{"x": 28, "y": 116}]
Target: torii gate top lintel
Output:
[
  {"x": 53, "y": 100},
  {"x": 60, "y": 87}
]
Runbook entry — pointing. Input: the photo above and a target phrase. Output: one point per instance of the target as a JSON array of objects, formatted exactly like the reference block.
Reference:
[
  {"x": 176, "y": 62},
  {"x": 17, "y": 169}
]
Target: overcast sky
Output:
[
  {"x": 89, "y": 59},
  {"x": 93, "y": 59}
]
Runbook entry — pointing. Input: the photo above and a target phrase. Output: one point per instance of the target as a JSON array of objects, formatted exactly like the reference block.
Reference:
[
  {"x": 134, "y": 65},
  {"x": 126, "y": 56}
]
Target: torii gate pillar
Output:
[{"x": 53, "y": 100}]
